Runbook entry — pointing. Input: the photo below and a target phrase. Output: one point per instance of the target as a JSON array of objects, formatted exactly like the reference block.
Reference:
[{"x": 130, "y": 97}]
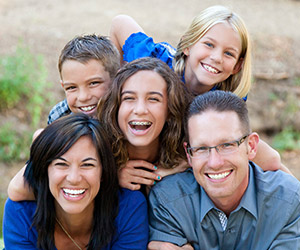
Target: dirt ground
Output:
[{"x": 45, "y": 26}]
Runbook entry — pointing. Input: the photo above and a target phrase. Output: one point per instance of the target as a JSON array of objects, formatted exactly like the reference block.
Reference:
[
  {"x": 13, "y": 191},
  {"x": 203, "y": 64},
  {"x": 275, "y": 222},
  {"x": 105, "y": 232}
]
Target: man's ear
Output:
[
  {"x": 61, "y": 83},
  {"x": 252, "y": 144},
  {"x": 238, "y": 66},
  {"x": 187, "y": 154}
]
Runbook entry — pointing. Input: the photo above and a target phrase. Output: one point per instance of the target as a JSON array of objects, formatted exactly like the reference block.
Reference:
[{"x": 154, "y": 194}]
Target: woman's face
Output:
[
  {"x": 74, "y": 178},
  {"x": 144, "y": 108}
]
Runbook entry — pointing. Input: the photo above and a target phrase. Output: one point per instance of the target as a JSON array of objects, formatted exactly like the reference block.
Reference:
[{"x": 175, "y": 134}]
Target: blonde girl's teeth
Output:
[{"x": 210, "y": 69}]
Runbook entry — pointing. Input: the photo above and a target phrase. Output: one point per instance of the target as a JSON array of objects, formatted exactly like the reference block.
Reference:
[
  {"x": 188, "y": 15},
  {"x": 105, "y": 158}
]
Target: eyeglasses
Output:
[{"x": 223, "y": 148}]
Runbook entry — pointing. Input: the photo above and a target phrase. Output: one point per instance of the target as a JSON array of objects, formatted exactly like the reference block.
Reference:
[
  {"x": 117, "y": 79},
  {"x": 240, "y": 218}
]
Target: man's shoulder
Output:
[
  {"x": 277, "y": 184},
  {"x": 176, "y": 186}
]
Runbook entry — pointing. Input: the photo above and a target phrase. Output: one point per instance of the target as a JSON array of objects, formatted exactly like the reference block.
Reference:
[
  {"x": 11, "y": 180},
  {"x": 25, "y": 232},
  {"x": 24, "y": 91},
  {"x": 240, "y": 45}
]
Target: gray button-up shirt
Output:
[{"x": 268, "y": 216}]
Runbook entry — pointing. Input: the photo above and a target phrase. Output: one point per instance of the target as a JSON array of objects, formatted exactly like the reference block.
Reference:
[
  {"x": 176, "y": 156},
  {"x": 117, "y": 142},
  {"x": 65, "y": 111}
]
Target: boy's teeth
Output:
[
  {"x": 140, "y": 123},
  {"x": 210, "y": 69},
  {"x": 73, "y": 191},
  {"x": 88, "y": 108},
  {"x": 218, "y": 176}
]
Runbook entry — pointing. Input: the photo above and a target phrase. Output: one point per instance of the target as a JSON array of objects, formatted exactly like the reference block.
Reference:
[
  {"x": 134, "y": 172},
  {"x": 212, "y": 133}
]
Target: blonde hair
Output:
[{"x": 238, "y": 83}]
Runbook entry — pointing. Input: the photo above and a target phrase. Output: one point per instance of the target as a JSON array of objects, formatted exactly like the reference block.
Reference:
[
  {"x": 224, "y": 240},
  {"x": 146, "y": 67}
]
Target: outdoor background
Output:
[{"x": 33, "y": 32}]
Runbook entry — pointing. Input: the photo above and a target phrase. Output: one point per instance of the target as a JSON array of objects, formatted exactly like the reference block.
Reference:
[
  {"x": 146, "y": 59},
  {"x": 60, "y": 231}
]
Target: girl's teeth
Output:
[
  {"x": 140, "y": 123},
  {"x": 210, "y": 69},
  {"x": 218, "y": 176}
]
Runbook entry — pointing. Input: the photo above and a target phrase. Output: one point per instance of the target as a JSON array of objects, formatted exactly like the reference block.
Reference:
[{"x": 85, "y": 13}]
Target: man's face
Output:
[{"x": 223, "y": 177}]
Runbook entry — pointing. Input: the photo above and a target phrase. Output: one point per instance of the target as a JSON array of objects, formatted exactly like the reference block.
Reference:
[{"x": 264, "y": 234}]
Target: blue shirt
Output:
[
  {"x": 131, "y": 224},
  {"x": 268, "y": 216},
  {"x": 139, "y": 45}
]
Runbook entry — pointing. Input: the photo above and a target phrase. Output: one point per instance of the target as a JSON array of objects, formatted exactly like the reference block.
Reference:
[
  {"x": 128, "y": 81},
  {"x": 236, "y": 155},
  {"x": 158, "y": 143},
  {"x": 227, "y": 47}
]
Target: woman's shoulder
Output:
[
  {"x": 129, "y": 196},
  {"x": 27, "y": 207}
]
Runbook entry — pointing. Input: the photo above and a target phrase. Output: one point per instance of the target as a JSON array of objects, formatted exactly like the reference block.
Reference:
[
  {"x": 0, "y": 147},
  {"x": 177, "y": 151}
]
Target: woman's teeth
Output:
[{"x": 73, "y": 192}]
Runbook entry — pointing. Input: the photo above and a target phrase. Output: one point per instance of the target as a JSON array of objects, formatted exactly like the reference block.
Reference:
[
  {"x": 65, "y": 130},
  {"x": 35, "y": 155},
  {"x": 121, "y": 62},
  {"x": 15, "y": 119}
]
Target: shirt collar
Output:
[{"x": 248, "y": 202}]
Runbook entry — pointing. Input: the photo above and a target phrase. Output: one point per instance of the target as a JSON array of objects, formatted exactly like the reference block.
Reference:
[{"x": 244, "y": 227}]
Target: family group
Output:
[{"x": 153, "y": 149}]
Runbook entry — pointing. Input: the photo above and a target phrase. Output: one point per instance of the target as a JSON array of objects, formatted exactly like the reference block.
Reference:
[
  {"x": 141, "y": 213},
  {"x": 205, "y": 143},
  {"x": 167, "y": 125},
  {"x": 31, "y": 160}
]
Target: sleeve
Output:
[
  {"x": 17, "y": 227},
  {"x": 132, "y": 222},
  {"x": 59, "y": 110},
  {"x": 289, "y": 236},
  {"x": 162, "y": 224},
  {"x": 140, "y": 45}
]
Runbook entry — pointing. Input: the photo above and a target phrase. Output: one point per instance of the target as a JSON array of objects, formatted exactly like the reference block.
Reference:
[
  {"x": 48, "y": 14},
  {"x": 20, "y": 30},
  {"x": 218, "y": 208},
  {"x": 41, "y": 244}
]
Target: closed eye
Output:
[{"x": 88, "y": 165}]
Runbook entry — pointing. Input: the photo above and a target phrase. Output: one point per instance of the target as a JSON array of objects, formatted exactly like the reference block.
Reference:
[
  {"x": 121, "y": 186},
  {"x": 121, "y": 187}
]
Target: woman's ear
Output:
[
  {"x": 238, "y": 66},
  {"x": 252, "y": 143}
]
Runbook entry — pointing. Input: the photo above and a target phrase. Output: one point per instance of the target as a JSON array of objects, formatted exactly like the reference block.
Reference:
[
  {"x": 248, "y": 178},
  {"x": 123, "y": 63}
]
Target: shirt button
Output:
[{"x": 231, "y": 230}]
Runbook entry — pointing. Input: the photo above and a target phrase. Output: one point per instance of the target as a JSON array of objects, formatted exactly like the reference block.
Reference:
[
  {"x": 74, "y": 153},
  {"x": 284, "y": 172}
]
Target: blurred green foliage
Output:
[
  {"x": 23, "y": 86},
  {"x": 287, "y": 139}
]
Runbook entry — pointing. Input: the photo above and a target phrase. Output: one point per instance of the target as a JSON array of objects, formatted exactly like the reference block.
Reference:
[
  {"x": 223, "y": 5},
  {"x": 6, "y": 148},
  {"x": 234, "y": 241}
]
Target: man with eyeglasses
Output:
[{"x": 224, "y": 201}]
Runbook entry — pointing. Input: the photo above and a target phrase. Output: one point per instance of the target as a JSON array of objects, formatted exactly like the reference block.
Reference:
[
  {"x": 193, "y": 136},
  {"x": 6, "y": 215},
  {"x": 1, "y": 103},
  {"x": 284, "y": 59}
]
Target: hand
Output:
[
  {"x": 163, "y": 172},
  {"x": 137, "y": 172},
  {"x": 159, "y": 245}
]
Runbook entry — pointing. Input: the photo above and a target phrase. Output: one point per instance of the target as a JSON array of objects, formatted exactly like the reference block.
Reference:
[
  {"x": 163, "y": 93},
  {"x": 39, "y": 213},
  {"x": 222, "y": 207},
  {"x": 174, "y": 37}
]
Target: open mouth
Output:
[
  {"x": 137, "y": 125},
  {"x": 87, "y": 108},
  {"x": 73, "y": 193},
  {"x": 219, "y": 176},
  {"x": 210, "y": 69}
]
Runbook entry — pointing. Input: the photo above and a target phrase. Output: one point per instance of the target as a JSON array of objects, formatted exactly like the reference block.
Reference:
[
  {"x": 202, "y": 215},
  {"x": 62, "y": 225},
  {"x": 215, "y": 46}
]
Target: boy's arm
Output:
[
  {"x": 18, "y": 188},
  {"x": 122, "y": 27},
  {"x": 268, "y": 158}
]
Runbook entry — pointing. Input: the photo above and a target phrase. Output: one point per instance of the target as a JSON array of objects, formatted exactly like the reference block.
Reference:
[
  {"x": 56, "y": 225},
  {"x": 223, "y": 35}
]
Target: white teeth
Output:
[
  {"x": 218, "y": 176},
  {"x": 88, "y": 108},
  {"x": 73, "y": 192},
  {"x": 140, "y": 123},
  {"x": 210, "y": 69}
]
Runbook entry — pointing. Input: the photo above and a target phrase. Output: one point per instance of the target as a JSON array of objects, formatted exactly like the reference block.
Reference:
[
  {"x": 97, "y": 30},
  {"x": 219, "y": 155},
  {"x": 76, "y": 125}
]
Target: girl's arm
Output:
[
  {"x": 18, "y": 188},
  {"x": 268, "y": 158},
  {"x": 122, "y": 27},
  {"x": 183, "y": 165}
]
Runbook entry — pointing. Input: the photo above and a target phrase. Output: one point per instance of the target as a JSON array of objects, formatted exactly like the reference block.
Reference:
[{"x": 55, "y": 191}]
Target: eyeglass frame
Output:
[{"x": 209, "y": 148}]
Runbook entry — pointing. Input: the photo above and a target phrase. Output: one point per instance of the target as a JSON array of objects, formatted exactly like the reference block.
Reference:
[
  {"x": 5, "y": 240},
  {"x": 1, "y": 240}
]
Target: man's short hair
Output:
[{"x": 220, "y": 101}]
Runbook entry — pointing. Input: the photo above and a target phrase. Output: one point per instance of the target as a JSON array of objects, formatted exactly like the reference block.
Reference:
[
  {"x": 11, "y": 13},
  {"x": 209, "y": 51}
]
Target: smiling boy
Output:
[{"x": 87, "y": 65}]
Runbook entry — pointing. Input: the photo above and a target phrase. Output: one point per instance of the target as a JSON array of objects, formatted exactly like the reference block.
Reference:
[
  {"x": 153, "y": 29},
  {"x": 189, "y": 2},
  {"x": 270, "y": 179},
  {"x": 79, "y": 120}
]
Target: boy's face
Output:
[{"x": 84, "y": 85}]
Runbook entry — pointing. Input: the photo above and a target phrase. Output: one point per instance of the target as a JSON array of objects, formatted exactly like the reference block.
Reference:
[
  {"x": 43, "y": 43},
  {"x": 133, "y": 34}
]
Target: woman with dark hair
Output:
[{"x": 78, "y": 201}]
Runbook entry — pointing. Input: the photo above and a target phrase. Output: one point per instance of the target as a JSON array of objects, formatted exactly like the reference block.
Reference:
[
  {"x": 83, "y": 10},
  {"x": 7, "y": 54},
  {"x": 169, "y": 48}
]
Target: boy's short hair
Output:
[{"x": 88, "y": 47}]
